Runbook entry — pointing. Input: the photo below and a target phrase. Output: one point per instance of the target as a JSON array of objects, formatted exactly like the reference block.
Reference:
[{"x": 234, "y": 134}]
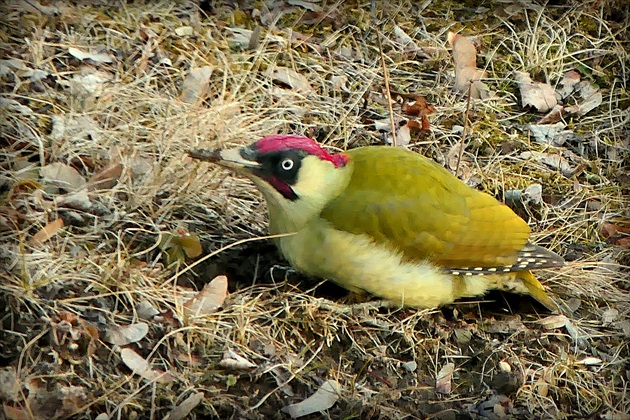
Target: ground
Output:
[{"x": 106, "y": 223}]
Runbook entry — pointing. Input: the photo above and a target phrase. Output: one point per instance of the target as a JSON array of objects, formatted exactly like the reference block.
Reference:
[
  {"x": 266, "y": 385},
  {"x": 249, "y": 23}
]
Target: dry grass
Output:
[{"x": 299, "y": 333}]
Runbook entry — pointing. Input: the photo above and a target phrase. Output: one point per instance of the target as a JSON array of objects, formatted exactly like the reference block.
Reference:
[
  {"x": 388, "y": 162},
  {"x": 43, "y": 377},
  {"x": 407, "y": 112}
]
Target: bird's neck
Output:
[{"x": 314, "y": 194}]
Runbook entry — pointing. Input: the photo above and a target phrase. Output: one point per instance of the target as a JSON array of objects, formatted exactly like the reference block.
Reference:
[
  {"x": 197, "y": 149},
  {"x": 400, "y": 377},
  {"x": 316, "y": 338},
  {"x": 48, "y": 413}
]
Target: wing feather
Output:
[{"x": 412, "y": 203}]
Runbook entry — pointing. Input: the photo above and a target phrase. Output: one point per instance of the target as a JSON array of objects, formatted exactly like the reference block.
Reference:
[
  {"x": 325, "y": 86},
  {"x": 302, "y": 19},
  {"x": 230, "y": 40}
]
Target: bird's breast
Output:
[{"x": 360, "y": 264}]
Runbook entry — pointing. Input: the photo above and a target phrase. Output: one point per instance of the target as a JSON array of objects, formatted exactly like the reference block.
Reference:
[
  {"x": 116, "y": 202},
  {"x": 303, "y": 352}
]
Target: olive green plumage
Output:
[{"x": 416, "y": 205}]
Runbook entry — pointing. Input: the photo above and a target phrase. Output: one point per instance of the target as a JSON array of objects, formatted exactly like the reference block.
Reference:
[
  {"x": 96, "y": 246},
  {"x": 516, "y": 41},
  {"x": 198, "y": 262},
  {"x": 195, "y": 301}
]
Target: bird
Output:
[{"x": 387, "y": 222}]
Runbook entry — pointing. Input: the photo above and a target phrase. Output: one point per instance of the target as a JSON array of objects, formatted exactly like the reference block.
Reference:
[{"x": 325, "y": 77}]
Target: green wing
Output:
[{"x": 410, "y": 202}]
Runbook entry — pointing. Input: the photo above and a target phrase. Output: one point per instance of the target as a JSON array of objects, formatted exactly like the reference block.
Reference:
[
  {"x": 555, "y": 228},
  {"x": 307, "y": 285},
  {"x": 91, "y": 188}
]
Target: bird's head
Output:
[{"x": 294, "y": 173}]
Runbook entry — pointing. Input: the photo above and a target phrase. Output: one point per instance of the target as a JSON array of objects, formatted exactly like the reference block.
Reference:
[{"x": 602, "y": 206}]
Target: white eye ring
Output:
[{"x": 287, "y": 164}]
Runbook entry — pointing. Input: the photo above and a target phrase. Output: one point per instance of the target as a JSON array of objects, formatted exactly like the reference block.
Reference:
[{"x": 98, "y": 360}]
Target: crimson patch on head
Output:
[{"x": 288, "y": 141}]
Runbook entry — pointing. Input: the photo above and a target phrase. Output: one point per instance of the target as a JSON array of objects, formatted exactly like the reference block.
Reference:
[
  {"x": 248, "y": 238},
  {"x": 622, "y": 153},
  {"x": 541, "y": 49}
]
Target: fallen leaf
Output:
[
  {"x": 17, "y": 67},
  {"x": 95, "y": 57},
  {"x": 290, "y": 78},
  {"x": 609, "y": 315},
  {"x": 552, "y": 160},
  {"x": 181, "y": 411},
  {"x": 403, "y": 135},
  {"x": 184, "y": 31},
  {"x": 555, "y": 115},
  {"x": 591, "y": 99},
  {"x": 308, "y": 5},
  {"x": 46, "y": 400},
  {"x": 462, "y": 336},
  {"x": 208, "y": 300},
  {"x": 444, "y": 378},
  {"x": 616, "y": 235},
  {"x": 551, "y": 134},
  {"x": 62, "y": 176},
  {"x": 146, "y": 310},
  {"x": 568, "y": 83},
  {"x": 192, "y": 360},
  {"x": 339, "y": 83},
  {"x": 196, "y": 85},
  {"x": 191, "y": 244},
  {"x": 11, "y": 105},
  {"x": 9, "y": 385},
  {"x": 467, "y": 75},
  {"x": 69, "y": 129},
  {"x": 403, "y": 131},
  {"x": 177, "y": 246},
  {"x": 533, "y": 194},
  {"x": 590, "y": 361},
  {"x": 47, "y": 232},
  {"x": 79, "y": 200},
  {"x": 406, "y": 42},
  {"x": 554, "y": 322},
  {"x": 16, "y": 413},
  {"x": 497, "y": 406},
  {"x": 127, "y": 334},
  {"x": 535, "y": 94},
  {"x": 323, "y": 399},
  {"x": 243, "y": 38},
  {"x": 282, "y": 376},
  {"x": 232, "y": 360},
  {"x": 72, "y": 337},
  {"x": 90, "y": 80},
  {"x": 141, "y": 367},
  {"x": 416, "y": 105},
  {"x": 410, "y": 366},
  {"x": 36, "y": 7},
  {"x": 72, "y": 398},
  {"x": 624, "y": 326},
  {"x": 106, "y": 177}
]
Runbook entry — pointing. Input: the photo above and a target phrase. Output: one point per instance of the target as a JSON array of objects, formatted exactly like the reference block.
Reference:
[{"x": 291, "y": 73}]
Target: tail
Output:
[{"x": 537, "y": 291}]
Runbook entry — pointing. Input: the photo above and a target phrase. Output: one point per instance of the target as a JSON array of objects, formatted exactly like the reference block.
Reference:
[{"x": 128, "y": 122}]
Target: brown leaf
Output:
[
  {"x": 126, "y": 334},
  {"x": 591, "y": 97},
  {"x": 191, "y": 245},
  {"x": 568, "y": 83},
  {"x": 140, "y": 366},
  {"x": 208, "y": 300},
  {"x": 464, "y": 51},
  {"x": 535, "y": 94},
  {"x": 323, "y": 399},
  {"x": 290, "y": 78},
  {"x": 616, "y": 235},
  {"x": 554, "y": 161},
  {"x": 282, "y": 375},
  {"x": 182, "y": 410},
  {"x": 106, "y": 177},
  {"x": 467, "y": 74},
  {"x": 406, "y": 42},
  {"x": 444, "y": 379},
  {"x": 553, "y": 116},
  {"x": 554, "y": 322},
  {"x": 47, "y": 232},
  {"x": 16, "y": 413},
  {"x": 611, "y": 229},
  {"x": 9, "y": 385},
  {"x": 95, "y": 57},
  {"x": 233, "y": 360},
  {"x": 62, "y": 176},
  {"x": 196, "y": 85}
]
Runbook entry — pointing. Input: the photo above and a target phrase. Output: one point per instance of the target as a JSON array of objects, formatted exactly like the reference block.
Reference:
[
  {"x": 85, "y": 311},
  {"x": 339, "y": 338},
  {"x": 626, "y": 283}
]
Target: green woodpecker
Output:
[{"x": 389, "y": 222}]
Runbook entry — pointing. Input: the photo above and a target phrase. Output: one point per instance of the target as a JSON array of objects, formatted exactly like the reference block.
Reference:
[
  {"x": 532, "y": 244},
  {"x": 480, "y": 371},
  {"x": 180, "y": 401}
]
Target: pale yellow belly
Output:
[{"x": 359, "y": 264}]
